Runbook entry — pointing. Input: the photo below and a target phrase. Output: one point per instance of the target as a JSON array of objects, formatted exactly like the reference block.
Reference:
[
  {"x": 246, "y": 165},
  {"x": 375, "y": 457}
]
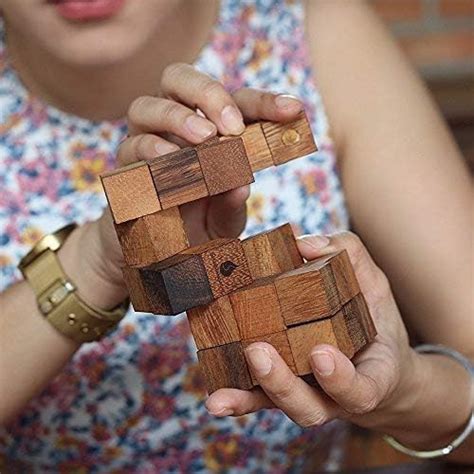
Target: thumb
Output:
[
  {"x": 227, "y": 213},
  {"x": 312, "y": 246}
]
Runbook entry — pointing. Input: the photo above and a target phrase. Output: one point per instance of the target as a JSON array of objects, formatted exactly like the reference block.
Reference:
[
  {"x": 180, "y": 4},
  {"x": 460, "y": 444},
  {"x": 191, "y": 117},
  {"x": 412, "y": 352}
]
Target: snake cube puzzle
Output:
[{"x": 235, "y": 292}]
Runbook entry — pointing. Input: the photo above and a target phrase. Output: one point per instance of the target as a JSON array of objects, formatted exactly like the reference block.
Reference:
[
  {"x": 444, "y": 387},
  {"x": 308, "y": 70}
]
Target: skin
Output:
[{"x": 400, "y": 171}]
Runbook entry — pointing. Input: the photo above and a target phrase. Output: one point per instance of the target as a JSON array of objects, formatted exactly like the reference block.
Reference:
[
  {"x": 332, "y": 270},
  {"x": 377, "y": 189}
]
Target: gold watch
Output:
[{"x": 56, "y": 294}]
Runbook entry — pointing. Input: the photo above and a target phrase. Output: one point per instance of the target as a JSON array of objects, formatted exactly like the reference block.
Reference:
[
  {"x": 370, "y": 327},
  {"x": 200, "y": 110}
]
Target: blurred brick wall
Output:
[{"x": 438, "y": 36}]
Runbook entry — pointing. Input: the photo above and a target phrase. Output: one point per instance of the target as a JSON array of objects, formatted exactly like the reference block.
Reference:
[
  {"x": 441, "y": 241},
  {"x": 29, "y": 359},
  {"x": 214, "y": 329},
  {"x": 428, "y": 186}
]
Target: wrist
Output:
[{"x": 98, "y": 282}]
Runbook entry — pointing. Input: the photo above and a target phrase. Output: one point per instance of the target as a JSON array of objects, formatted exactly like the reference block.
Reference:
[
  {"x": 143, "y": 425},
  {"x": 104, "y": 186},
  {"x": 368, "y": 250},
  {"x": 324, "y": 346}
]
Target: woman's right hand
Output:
[{"x": 160, "y": 125}]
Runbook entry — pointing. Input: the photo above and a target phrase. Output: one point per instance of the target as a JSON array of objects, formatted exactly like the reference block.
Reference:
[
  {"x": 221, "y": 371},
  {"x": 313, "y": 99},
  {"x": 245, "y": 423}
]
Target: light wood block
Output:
[
  {"x": 257, "y": 310},
  {"x": 255, "y": 143},
  {"x": 178, "y": 178},
  {"x": 289, "y": 141},
  {"x": 130, "y": 192},
  {"x": 225, "y": 367},
  {"x": 152, "y": 238},
  {"x": 272, "y": 252},
  {"x": 225, "y": 165},
  {"x": 213, "y": 324}
]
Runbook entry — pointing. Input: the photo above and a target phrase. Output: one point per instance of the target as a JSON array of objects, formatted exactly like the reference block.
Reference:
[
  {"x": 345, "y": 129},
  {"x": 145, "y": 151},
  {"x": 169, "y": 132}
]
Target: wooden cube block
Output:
[
  {"x": 357, "y": 309},
  {"x": 303, "y": 338},
  {"x": 279, "y": 341},
  {"x": 152, "y": 238},
  {"x": 225, "y": 367},
  {"x": 225, "y": 165},
  {"x": 178, "y": 178},
  {"x": 344, "y": 276},
  {"x": 307, "y": 293},
  {"x": 130, "y": 192},
  {"x": 344, "y": 338},
  {"x": 225, "y": 263},
  {"x": 272, "y": 252},
  {"x": 288, "y": 141},
  {"x": 169, "y": 287},
  {"x": 213, "y": 324},
  {"x": 255, "y": 143},
  {"x": 257, "y": 309}
]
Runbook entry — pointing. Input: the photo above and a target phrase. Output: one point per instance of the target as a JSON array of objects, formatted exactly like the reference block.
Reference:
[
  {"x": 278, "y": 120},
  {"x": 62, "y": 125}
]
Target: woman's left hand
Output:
[{"x": 370, "y": 390}]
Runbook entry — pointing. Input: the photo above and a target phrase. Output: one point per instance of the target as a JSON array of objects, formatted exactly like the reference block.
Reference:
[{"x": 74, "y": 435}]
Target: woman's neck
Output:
[{"x": 105, "y": 93}]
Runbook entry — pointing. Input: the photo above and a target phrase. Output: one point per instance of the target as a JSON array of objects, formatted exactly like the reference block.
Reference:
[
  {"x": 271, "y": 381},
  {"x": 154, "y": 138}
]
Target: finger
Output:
[
  {"x": 302, "y": 403},
  {"x": 227, "y": 213},
  {"x": 143, "y": 147},
  {"x": 230, "y": 401},
  {"x": 183, "y": 83},
  {"x": 260, "y": 105},
  {"x": 155, "y": 115},
  {"x": 357, "y": 393},
  {"x": 372, "y": 280}
]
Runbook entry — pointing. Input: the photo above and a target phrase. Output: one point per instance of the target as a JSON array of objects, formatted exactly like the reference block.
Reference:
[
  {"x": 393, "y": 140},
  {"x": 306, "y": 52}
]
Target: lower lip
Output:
[{"x": 88, "y": 10}]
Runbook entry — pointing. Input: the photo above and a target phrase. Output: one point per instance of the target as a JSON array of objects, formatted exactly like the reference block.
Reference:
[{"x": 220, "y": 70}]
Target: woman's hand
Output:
[
  {"x": 191, "y": 108},
  {"x": 370, "y": 390}
]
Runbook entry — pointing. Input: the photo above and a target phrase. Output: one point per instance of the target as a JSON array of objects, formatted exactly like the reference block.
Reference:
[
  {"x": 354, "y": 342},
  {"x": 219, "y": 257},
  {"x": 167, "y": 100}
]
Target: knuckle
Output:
[
  {"x": 283, "y": 392},
  {"x": 171, "y": 71},
  {"x": 212, "y": 89},
  {"x": 313, "y": 419},
  {"x": 136, "y": 108},
  {"x": 169, "y": 110},
  {"x": 366, "y": 406}
]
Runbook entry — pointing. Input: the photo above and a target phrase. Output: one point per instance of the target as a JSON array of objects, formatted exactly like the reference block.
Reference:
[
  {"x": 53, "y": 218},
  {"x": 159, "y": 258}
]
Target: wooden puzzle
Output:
[{"x": 234, "y": 292}]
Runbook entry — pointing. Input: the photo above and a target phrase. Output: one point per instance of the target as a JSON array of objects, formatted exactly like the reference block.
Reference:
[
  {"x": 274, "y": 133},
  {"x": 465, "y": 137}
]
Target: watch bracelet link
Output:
[{"x": 58, "y": 300}]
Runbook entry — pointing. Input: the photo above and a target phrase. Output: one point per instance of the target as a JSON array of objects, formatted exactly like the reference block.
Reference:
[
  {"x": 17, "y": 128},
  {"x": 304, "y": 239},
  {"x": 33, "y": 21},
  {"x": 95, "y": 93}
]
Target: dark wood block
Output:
[
  {"x": 280, "y": 342},
  {"x": 344, "y": 276},
  {"x": 257, "y": 309},
  {"x": 354, "y": 325},
  {"x": 130, "y": 192},
  {"x": 225, "y": 165},
  {"x": 345, "y": 343},
  {"x": 178, "y": 178},
  {"x": 358, "y": 307},
  {"x": 152, "y": 238},
  {"x": 175, "y": 284},
  {"x": 137, "y": 292},
  {"x": 225, "y": 367},
  {"x": 255, "y": 143},
  {"x": 213, "y": 324},
  {"x": 225, "y": 263},
  {"x": 307, "y": 293},
  {"x": 272, "y": 252},
  {"x": 291, "y": 140}
]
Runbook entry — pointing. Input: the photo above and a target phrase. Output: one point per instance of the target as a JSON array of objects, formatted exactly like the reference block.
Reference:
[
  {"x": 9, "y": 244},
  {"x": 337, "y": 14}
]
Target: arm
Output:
[{"x": 408, "y": 190}]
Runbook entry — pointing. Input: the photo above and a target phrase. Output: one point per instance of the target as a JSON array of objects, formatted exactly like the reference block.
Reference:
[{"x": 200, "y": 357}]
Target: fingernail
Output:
[
  {"x": 315, "y": 241},
  {"x": 199, "y": 127},
  {"x": 222, "y": 412},
  {"x": 287, "y": 101},
  {"x": 164, "y": 148},
  {"x": 232, "y": 120},
  {"x": 260, "y": 361},
  {"x": 323, "y": 363}
]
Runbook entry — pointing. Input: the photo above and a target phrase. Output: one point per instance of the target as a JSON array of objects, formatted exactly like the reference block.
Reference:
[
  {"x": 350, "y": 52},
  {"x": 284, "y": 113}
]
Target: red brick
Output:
[
  {"x": 398, "y": 10},
  {"x": 437, "y": 48},
  {"x": 457, "y": 7}
]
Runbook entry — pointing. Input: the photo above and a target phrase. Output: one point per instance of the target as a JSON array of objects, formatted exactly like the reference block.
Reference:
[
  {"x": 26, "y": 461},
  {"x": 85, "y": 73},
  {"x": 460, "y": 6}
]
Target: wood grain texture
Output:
[
  {"x": 138, "y": 295},
  {"x": 178, "y": 178},
  {"x": 290, "y": 140},
  {"x": 354, "y": 325},
  {"x": 255, "y": 143},
  {"x": 272, "y": 252},
  {"x": 225, "y": 165},
  {"x": 279, "y": 341},
  {"x": 344, "y": 276},
  {"x": 257, "y": 309},
  {"x": 213, "y": 324},
  {"x": 307, "y": 293},
  {"x": 225, "y": 367},
  {"x": 358, "y": 305},
  {"x": 152, "y": 238},
  {"x": 176, "y": 284},
  {"x": 303, "y": 338},
  {"x": 130, "y": 192},
  {"x": 344, "y": 338},
  {"x": 225, "y": 263}
]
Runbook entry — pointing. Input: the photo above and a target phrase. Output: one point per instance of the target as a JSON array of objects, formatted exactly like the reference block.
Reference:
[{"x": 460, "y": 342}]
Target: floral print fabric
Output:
[{"x": 134, "y": 402}]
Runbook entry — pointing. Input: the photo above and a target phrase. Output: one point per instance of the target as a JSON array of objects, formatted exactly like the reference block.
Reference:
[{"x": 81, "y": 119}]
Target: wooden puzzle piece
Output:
[
  {"x": 225, "y": 367},
  {"x": 152, "y": 238},
  {"x": 289, "y": 141},
  {"x": 257, "y": 309},
  {"x": 280, "y": 342},
  {"x": 130, "y": 192},
  {"x": 255, "y": 143},
  {"x": 225, "y": 165},
  {"x": 213, "y": 324},
  {"x": 178, "y": 177},
  {"x": 272, "y": 252},
  {"x": 225, "y": 263},
  {"x": 357, "y": 308}
]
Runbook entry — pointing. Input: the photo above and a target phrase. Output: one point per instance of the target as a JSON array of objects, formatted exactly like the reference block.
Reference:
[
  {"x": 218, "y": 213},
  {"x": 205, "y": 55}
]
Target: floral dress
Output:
[{"x": 134, "y": 402}]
